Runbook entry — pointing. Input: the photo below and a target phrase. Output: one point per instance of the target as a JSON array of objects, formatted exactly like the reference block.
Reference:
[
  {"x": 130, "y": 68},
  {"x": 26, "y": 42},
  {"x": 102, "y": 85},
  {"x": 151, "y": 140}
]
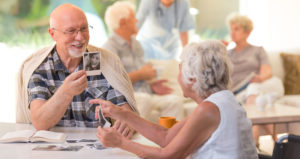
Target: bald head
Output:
[
  {"x": 69, "y": 29},
  {"x": 65, "y": 12}
]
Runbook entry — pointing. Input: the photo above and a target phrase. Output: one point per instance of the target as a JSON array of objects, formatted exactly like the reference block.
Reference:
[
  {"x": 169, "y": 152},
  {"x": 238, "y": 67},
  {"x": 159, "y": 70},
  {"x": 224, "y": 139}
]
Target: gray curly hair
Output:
[{"x": 208, "y": 63}]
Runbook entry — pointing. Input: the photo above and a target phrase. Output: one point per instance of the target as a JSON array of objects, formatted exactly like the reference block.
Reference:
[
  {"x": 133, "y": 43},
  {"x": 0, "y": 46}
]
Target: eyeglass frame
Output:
[{"x": 72, "y": 33}]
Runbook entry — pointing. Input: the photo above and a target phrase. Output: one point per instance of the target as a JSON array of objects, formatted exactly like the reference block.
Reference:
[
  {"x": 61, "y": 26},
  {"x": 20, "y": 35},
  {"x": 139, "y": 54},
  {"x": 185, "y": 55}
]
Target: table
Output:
[
  {"x": 273, "y": 115},
  {"x": 24, "y": 150}
]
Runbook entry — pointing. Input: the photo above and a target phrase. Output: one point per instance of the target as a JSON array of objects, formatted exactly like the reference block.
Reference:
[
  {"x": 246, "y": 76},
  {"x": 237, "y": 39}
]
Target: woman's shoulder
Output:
[{"x": 207, "y": 110}]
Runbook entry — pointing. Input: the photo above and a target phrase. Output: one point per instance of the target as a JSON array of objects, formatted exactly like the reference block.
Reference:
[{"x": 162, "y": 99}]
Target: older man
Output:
[
  {"x": 120, "y": 18},
  {"x": 59, "y": 90}
]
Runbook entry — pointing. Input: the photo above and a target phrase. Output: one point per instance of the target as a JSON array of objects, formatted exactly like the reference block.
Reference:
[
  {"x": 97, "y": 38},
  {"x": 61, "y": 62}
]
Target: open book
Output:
[
  {"x": 243, "y": 84},
  {"x": 33, "y": 136}
]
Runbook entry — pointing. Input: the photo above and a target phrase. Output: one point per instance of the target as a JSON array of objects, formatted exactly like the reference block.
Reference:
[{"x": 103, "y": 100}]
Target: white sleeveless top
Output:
[{"x": 233, "y": 138}]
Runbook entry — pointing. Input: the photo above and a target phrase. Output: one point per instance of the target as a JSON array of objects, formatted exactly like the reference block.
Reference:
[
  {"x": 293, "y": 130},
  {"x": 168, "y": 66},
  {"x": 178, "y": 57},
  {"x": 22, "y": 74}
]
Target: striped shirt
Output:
[{"x": 49, "y": 76}]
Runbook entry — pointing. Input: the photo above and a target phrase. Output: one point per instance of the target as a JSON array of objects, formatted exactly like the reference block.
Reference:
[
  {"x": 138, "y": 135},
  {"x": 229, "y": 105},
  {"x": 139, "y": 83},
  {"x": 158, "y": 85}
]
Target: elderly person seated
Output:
[
  {"x": 217, "y": 128},
  {"x": 154, "y": 95},
  {"x": 56, "y": 89},
  {"x": 247, "y": 59}
]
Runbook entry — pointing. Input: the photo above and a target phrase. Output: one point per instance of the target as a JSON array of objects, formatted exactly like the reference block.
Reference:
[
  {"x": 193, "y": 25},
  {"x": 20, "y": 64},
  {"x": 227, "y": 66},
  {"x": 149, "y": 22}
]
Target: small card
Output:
[
  {"x": 91, "y": 63},
  {"x": 97, "y": 146},
  {"x": 57, "y": 148},
  {"x": 80, "y": 140},
  {"x": 102, "y": 119}
]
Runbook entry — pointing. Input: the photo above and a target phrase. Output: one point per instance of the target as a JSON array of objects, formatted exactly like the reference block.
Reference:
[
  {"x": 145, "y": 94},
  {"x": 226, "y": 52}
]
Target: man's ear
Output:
[
  {"x": 122, "y": 22},
  {"x": 51, "y": 32}
]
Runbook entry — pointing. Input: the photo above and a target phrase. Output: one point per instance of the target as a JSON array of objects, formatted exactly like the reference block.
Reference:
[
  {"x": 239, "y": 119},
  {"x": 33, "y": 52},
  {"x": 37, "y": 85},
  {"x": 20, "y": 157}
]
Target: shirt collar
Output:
[
  {"x": 58, "y": 65},
  {"x": 121, "y": 41}
]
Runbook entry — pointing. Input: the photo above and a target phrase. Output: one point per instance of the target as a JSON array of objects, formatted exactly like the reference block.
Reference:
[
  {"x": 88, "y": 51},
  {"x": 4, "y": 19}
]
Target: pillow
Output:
[{"x": 291, "y": 65}]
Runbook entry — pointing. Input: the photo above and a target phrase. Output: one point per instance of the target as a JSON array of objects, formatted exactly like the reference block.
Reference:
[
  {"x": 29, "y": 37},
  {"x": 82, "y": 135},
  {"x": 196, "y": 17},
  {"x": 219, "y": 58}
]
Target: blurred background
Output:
[{"x": 24, "y": 29}]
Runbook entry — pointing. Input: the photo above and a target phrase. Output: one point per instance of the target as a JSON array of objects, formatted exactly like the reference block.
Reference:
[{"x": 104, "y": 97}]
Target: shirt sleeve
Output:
[
  {"x": 143, "y": 12},
  {"x": 37, "y": 88},
  {"x": 262, "y": 56},
  {"x": 115, "y": 97},
  {"x": 186, "y": 20}
]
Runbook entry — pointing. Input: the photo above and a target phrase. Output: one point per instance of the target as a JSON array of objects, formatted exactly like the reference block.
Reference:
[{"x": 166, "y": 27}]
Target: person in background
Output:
[
  {"x": 58, "y": 90},
  {"x": 217, "y": 128},
  {"x": 163, "y": 27},
  {"x": 154, "y": 95},
  {"x": 247, "y": 59}
]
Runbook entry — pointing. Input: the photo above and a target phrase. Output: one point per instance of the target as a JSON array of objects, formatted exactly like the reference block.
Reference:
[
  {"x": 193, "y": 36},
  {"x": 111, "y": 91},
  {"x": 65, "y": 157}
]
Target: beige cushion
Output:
[{"x": 291, "y": 65}]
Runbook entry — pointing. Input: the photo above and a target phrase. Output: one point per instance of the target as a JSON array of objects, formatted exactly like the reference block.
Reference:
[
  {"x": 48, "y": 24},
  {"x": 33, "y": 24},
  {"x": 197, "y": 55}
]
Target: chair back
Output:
[{"x": 287, "y": 147}]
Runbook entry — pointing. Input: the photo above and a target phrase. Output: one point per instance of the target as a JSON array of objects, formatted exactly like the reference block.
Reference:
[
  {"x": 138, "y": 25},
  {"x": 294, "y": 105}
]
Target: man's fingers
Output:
[
  {"x": 76, "y": 75},
  {"x": 82, "y": 80}
]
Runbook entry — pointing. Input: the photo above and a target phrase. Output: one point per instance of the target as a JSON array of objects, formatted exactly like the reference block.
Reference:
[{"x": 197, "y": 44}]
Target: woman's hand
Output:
[
  {"x": 108, "y": 109},
  {"x": 109, "y": 137},
  {"x": 256, "y": 79}
]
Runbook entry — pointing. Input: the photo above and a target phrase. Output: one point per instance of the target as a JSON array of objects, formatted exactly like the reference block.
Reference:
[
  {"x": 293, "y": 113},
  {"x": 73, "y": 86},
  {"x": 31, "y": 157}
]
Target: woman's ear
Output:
[{"x": 192, "y": 80}]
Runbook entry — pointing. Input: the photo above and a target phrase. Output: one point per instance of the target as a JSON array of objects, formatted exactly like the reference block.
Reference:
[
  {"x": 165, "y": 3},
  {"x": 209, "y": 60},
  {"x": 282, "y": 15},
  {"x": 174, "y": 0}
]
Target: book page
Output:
[
  {"x": 48, "y": 136},
  {"x": 17, "y": 136}
]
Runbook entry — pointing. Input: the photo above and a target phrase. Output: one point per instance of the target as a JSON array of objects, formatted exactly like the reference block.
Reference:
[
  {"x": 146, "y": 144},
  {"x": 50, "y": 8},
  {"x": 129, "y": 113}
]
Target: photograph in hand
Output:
[
  {"x": 91, "y": 63},
  {"x": 102, "y": 120}
]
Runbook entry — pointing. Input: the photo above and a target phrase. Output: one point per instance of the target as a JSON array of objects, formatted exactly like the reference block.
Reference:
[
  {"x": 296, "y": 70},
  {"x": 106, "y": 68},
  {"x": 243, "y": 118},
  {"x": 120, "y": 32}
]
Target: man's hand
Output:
[
  {"x": 75, "y": 83},
  {"x": 147, "y": 72},
  {"x": 160, "y": 89}
]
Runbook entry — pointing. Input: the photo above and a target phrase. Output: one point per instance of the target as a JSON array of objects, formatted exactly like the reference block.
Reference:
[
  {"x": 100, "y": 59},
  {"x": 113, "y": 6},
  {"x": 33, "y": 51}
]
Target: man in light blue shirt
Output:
[{"x": 161, "y": 23}]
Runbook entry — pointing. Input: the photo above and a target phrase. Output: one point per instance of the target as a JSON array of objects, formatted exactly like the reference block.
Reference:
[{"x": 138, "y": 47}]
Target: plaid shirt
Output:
[{"x": 49, "y": 76}]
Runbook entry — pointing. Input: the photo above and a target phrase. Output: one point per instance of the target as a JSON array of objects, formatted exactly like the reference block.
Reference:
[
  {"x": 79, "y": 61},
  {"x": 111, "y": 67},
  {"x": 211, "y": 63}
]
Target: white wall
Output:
[
  {"x": 10, "y": 62},
  {"x": 276, "y": 23}
]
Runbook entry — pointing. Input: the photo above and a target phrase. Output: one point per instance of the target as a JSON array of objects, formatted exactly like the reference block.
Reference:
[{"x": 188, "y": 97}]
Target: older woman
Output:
[
  {"x": 248, "y": 59},
  {"x": 217, "y": 128}
]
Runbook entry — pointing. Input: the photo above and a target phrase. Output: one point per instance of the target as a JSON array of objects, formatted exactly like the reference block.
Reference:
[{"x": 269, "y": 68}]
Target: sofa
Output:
[{"x": 277, "y": 61}]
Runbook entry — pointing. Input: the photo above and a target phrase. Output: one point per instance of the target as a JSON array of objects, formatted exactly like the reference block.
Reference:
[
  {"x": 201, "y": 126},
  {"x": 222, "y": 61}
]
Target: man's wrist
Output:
[{"x": 64, "y": 93}]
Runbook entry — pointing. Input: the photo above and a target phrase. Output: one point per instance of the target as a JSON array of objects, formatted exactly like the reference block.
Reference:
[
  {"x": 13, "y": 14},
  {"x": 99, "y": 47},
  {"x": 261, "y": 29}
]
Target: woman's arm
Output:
[
  {"x": 184, "y": 38},
  {"x": 265, "y": 72},
  {"x": 194, "y": 133},
  {"x": 143, "y": 12},
  {"x": 154, "y": 132}
]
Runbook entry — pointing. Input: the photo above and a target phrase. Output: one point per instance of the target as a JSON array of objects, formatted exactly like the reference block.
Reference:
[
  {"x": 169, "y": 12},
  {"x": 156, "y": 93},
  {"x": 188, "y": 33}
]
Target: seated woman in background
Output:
[
  {"x": 247, "y": 59},
  {"x": 217, "y": 128}
]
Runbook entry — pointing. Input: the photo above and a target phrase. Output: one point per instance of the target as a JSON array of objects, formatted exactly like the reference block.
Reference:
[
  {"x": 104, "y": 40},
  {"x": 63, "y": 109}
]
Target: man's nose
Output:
[{"x": 79, "y": 35}]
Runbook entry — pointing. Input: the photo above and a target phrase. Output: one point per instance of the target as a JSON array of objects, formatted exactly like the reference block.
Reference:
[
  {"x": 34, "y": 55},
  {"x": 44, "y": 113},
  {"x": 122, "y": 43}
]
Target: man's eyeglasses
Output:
[{"x": 73, "y": 32}]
